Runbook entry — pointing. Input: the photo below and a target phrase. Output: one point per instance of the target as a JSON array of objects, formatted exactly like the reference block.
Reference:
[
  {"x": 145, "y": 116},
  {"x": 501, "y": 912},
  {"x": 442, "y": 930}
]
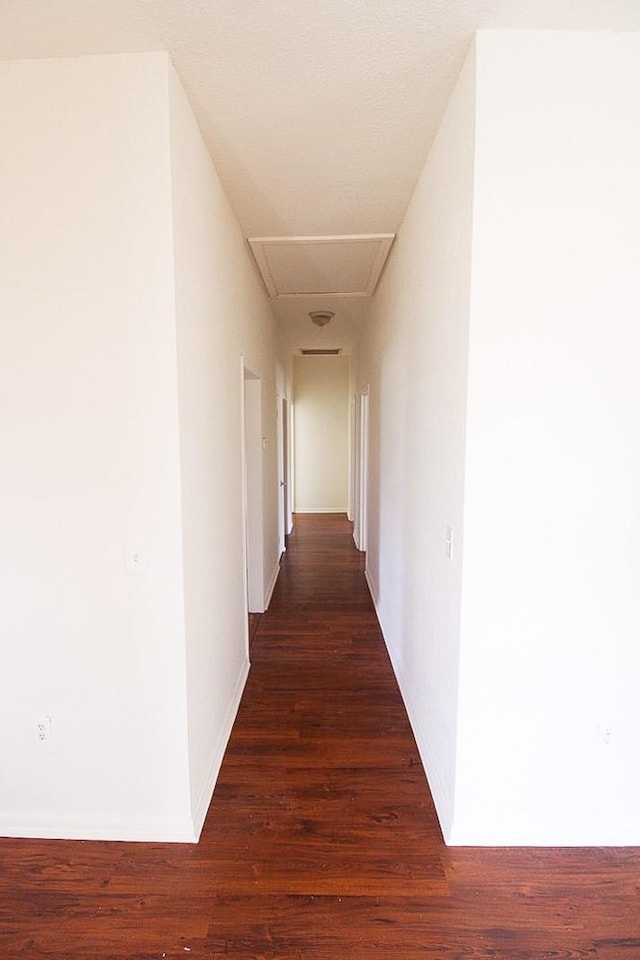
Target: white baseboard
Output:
[
  {"x": 128, "y": 829},
  {"x": 442, "y": 800},
  {"x": 321, "y": 510},
  {"x": 374, "y": 597},
  {"x": 200, "y": 805},
  {"x": 272, "y": 584}
]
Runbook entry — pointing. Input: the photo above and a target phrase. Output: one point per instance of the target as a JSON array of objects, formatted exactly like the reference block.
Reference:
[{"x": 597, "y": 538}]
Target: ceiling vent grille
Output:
[{"x": 320, "y": 352}]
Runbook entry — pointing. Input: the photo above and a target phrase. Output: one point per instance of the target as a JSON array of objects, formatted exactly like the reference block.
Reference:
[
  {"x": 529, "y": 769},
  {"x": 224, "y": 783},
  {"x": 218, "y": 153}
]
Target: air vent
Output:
[{"x": 320, "y": 352}]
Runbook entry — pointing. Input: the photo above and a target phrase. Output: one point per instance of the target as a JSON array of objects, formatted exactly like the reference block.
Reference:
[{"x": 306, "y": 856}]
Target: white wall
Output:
[
  {"x": 551, "y": 608},
  {"x": 89, "y": 455},
  {"x": 127, "y": 301},
  {"x": 415, "y": 360},
  {"x": 321, "y": 427},
  {"x": 253, "y": 487},
  {"x": 504, "y": 404},
  {"x": 222, "y": 315},
  {"x": 295, "y": 331}
]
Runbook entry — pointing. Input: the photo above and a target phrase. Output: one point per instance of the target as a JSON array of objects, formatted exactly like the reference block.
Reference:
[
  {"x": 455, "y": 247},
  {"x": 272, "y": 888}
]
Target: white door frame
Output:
[
  {"x": 284, "y": 471},
  {"x": 252, "y": 486},
  {"x": 362, "y": 472},
  {"x": 353, "y": 461}
]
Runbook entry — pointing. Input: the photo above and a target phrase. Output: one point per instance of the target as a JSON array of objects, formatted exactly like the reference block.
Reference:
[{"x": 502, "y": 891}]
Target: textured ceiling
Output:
[{"x": 318, "y": 113}]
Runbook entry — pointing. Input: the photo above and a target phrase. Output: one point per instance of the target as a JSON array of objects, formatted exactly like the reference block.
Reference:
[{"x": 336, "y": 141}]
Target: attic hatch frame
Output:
[{"x": 363, "y": 283}]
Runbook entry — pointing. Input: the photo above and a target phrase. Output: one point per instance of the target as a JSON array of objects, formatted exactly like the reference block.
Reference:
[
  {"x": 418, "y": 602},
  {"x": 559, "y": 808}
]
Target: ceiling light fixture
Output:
[{"x": 321, "y": 317}]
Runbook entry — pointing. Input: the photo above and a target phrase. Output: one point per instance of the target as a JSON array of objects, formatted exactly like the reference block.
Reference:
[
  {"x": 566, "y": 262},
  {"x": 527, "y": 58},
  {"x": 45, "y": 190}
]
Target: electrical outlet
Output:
[
  {"x": 604, "y": 733},
  {"x": 42, "y": 729}
]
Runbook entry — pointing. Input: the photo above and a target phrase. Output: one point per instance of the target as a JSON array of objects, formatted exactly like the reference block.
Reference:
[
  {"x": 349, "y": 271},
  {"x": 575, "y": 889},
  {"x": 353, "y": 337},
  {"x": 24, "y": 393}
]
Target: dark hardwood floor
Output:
[{"x": 321, "y": 841}]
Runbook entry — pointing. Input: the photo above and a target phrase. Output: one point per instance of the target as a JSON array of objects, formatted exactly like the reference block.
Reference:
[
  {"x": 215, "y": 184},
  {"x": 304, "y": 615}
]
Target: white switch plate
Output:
[{"x": 449, "y": 543}]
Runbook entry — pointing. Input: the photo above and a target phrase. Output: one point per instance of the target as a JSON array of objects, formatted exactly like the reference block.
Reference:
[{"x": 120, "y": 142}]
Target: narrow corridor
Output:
[
  {"x": 321, "y": 842},
  {"x": 322, "y": 759}
]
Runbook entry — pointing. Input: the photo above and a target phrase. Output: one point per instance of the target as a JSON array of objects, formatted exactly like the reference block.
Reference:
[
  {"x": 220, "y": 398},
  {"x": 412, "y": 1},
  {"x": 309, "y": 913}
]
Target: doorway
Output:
[
  {"x": 362, "y": 472},
  {"x": 321, "y": 434},
  {"x": 284, "y": 472},
  {"x": 252, "y": 483}
]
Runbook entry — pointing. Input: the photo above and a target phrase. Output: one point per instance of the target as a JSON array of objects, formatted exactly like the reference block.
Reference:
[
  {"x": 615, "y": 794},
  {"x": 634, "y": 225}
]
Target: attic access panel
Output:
[{"x": 340, "y": 266}]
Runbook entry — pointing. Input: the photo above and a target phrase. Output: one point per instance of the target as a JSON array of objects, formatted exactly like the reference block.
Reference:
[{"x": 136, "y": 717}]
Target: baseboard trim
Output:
[
  {"x": 272, "y": 585},
  {"x": 127, "y": 829},
  {"x": 442, "y": 800},
  {"x": 374, "y": 597},
  {"x": 342, "y": 510},
  {"x": 204, "y": 795}
]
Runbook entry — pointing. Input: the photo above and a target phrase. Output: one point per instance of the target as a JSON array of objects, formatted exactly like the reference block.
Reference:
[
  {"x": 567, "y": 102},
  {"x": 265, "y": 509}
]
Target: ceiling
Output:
[{"x": 318, "y": 113}]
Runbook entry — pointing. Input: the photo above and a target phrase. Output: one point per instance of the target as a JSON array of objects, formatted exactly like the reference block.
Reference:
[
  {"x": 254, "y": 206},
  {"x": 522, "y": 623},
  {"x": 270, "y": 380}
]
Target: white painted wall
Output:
[
  {"x": 126, "y": 303},
  {"x": 89, "y": 455},
  {"x": 253, "y": 491},
  {"x": 321, "y": 419},
  {"x": 509, "y": 412},
  {"x": 296, "y": 331},
  {"x": 415, "y": 360},
  {"x": 222, "y": 315},
  {"x": 551, "y": 607}
]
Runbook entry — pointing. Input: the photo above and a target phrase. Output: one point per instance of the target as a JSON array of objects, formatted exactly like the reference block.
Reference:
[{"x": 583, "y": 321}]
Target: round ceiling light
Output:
[{"x": 321, "y": 317}]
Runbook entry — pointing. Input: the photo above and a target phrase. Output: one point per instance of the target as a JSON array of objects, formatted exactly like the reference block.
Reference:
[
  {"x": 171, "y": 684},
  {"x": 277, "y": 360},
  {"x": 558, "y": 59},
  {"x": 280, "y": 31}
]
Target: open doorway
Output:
[
  {"x": 284, "y": 472},
  {"x": 362, "y": 471},
  {"x": 321, "y": 434},
  {"x": 253, "y": 489}
]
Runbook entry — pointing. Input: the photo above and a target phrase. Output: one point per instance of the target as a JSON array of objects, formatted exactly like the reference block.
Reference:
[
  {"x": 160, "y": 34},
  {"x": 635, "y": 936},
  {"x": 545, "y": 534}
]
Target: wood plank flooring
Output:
[{"x": 321, "y": 841}]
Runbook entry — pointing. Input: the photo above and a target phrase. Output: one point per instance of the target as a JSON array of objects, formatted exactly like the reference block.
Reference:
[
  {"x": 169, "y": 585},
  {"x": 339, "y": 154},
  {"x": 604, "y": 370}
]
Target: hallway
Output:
[{"x": 321, "y": 841}]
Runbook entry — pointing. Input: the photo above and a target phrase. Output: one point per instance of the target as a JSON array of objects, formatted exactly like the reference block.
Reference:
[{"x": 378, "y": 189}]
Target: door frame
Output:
[
  {"x": 284, "y": 471},
  {"x": 362, "y": 471},
  {"x": 252, "y": 488}
]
